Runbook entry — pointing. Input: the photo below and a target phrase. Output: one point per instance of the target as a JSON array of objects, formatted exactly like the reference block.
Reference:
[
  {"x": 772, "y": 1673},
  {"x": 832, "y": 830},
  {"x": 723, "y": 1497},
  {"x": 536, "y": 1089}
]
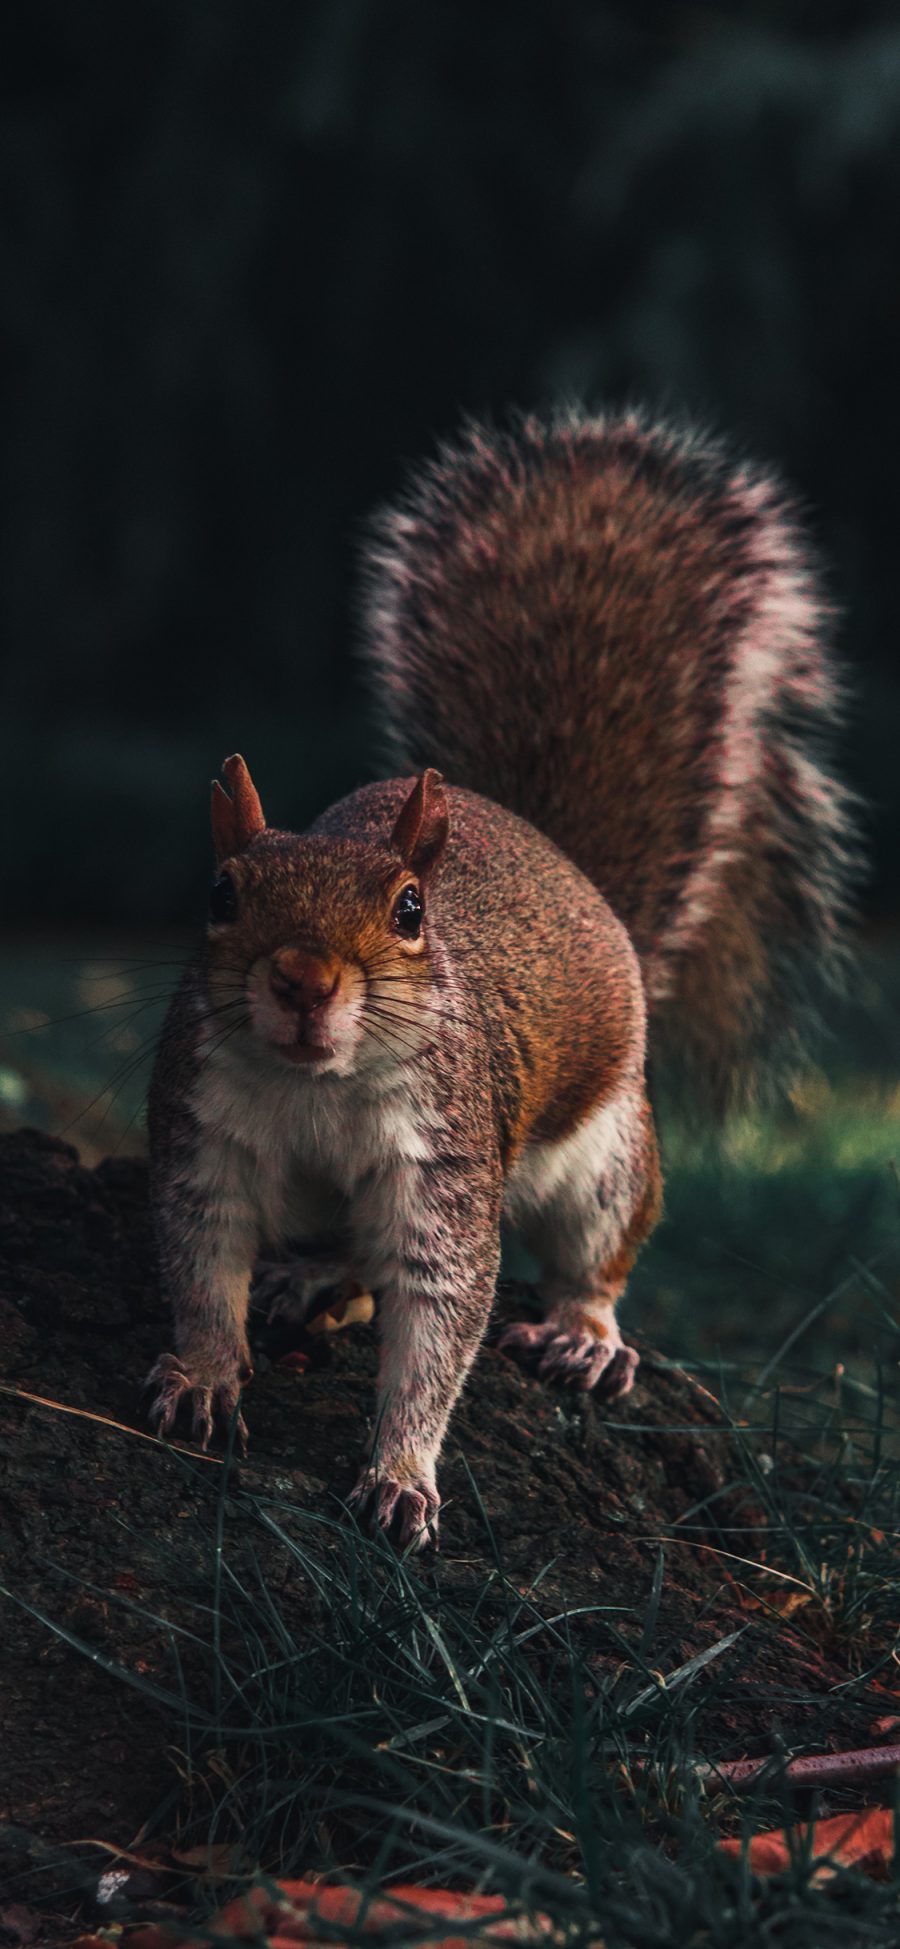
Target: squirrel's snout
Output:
[{"x": 303, "y": 981}]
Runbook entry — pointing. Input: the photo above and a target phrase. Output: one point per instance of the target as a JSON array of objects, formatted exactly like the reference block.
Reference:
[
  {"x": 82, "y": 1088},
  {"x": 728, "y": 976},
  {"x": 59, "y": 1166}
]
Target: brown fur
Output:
[
  {"x": 565, "y": 615},
  {"x": 513, "y": 1020},
  {"x": 607, "y": 637},
  {"x": 544, "y": 961},
  {"x": 235, "y": 820}
]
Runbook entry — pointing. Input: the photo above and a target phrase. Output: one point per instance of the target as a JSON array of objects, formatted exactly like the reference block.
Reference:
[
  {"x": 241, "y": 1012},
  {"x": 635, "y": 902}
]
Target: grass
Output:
[{"x": 446, "y": 1728}]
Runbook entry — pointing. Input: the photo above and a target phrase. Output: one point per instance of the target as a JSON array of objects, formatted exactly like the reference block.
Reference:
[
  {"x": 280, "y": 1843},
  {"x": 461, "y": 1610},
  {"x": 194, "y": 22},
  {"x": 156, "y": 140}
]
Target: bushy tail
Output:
[{"x": 615, "y": 630}]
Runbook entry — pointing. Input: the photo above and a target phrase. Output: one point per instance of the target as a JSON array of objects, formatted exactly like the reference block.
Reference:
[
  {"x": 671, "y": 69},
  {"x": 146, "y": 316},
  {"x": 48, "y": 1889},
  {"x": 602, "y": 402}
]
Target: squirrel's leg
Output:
[
  {"x": 208, "y": 1235},
  {"x": 585, "y": 1207},
  {"x": 436, "y": 1276}
]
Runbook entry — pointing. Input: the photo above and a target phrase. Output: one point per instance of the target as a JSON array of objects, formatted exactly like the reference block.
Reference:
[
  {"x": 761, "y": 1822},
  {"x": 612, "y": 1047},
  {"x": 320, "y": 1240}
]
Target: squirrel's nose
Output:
[{"x": 304, "y": 981}]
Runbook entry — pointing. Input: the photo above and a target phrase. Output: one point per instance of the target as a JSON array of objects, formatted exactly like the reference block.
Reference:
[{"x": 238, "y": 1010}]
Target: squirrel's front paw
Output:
[
  {"x": 405, "y": 1506},
  {"x": 577, "y": 1355},
  {"x": 207, "y": 1398}
]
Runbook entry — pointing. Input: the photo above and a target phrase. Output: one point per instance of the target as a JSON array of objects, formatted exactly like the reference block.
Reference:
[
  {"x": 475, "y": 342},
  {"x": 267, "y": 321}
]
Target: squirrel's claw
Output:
[
  {"x": 617, "y": 1377},
  {"x": 573, "y": 1355},
  {"x": 202, "y": 1416},
  {"x": 209, "y": 1404},
  {"x": 406, "y": 1511},
  {"x": 171, "y": 1382}
]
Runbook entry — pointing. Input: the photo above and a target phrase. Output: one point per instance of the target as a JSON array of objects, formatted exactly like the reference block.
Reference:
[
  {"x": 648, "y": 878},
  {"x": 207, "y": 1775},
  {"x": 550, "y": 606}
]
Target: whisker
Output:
[
  {"x": 131, "y": 1067},
  {"x": 411, "y": 1011},
  {"x": 213, "y": 1048},
  {"x": 112, "y": 1089},
  {"x": 388, "y": 972},
  {"x": 120, "y": 1028},
  {"x": 135, "y": 1003},
  {"x": 99, "y": 968},
  {"x": 384, "y": 1042},
  {"x": 398, "y": 1041},
  {"x": 81, "y": 1015},
  {"x": 183, "y": 950},
  {"x": 416, "y": 1002},
  {"x": 102, "y": 967},
  {"x": 389, "y": 1015}
]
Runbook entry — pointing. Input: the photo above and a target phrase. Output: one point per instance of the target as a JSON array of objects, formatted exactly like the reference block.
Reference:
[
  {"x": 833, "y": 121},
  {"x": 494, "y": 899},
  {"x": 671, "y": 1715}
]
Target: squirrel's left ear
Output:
[
  {"x": 420, "y": 834},
  {"x": 235, "y": 820}
]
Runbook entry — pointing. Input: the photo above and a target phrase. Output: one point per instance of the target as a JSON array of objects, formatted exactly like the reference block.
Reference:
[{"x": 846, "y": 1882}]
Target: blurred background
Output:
[{"x": 255, "y": 259}]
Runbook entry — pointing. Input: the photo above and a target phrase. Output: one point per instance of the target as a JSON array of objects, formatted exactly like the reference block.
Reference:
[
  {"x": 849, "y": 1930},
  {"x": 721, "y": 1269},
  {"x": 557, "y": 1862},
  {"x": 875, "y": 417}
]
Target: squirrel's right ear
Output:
[
  {"x": 235, "y": 820},
  {"x": 420, "y": 834}
]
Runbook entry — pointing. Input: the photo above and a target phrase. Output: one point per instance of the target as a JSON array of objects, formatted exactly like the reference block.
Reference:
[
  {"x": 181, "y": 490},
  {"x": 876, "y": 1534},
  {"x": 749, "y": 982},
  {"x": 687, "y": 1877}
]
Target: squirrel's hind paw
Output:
[
  {"x": 407, "y": 1511},
  {"x": 574, "y": 1355},
  {"x": 208, "y": 1405},
  {"x": 291, "y": 1291}
]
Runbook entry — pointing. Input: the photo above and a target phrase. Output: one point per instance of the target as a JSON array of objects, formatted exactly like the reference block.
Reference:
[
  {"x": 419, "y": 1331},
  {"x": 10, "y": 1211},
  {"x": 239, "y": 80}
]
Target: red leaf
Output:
[
  {"x": 864, "y": 1840},
  {"x": 293, "y": 1915}
]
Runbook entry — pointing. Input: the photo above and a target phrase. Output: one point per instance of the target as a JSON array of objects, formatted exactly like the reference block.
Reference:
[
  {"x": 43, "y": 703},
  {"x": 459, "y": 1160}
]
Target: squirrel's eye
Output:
[
  {"x": 223, "y": 898},
  {"x": 408, "y": 914}
]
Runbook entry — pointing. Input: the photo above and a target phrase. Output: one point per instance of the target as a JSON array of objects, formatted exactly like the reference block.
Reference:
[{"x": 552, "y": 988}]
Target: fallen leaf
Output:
[
  {"x": 782, "y": 1599},
  {"x": 293, "y": 1915},
  {"x": 786, "y": 1602},
  {"x": 218, "y": 1860},
  {"x": 295, "y": 1361},
  {"x": 864, "y": 1840}
]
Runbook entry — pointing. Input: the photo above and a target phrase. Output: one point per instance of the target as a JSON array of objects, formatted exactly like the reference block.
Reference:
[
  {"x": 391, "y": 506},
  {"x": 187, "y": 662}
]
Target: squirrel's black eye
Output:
[
  {"x": 223, "y": 898},
  {"x": 408, "y": 914}
]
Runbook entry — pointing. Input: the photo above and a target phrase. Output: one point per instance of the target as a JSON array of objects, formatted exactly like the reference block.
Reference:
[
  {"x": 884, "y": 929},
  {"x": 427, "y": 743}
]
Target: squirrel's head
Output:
[{"x": 320, "y": 947}]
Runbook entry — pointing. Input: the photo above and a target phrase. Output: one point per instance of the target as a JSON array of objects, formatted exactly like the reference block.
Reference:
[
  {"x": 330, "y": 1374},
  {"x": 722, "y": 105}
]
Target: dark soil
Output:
[{"x": 89, "y": 1512}]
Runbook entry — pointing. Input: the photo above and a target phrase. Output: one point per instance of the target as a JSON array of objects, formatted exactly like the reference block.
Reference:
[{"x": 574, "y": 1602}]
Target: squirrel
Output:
[{"x": 428, "y": 1013}]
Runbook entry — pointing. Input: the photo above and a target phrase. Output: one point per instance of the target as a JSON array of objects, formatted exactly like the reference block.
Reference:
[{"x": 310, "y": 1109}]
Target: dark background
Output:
[{"x": 255, "y": 257}]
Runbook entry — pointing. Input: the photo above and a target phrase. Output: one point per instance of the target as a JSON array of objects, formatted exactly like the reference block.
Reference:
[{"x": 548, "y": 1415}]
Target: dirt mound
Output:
[{"x": 92, "y": 1513}]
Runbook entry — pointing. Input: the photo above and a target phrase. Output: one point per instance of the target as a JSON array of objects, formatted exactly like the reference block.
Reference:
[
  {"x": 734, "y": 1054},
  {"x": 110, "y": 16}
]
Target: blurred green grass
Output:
[{"x": 791, "y": 1215}]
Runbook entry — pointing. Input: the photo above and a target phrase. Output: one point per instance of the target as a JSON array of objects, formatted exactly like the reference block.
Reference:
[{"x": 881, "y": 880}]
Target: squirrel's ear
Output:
[
  {"x": 420, "y": 834},
  {"x": 235, "y": 820}
]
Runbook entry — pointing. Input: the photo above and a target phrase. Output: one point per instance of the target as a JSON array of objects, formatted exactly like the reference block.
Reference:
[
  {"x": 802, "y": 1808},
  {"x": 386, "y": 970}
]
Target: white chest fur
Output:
[{"x": 291, "y": 1126}]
